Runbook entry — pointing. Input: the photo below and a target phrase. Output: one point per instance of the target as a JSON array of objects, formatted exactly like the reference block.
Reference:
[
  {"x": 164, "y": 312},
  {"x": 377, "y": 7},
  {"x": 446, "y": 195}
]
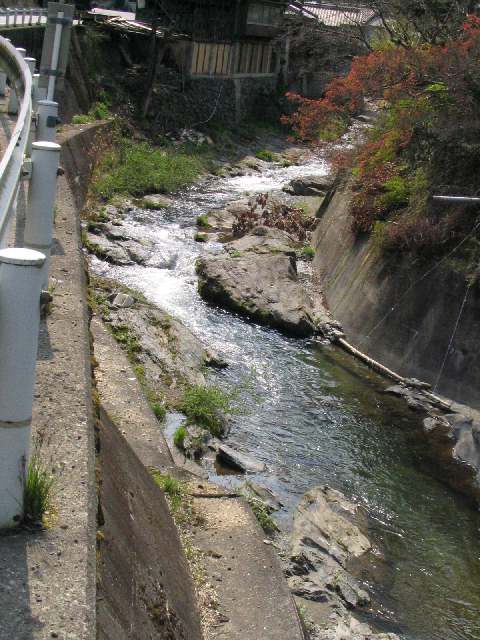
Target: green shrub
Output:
[
  {"x": 396, "y": 193},
  {"x": 202, "y": 221},
  {"x": 139, "y": 169},
  {"x": 200, "y": 237},
  {"x": 265, "y": 154},
  {"x": 99, "y": 111},
  {"x": 179, "y": 437},
  {"x": 159, "y": 411},
  {"x": 172, "y": 487},
  {"x": 37, "y": 491},
  {"x": 307, "y": 252},
  {"x": 206, "y": 407}
]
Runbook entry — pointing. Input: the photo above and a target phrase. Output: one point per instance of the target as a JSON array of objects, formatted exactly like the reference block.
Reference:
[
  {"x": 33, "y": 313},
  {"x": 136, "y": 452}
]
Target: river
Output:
[{"x": 315, "y": 416}]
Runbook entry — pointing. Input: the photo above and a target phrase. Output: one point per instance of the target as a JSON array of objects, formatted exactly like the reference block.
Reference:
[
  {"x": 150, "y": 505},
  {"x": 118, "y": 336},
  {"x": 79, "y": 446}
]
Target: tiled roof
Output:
[{"x": 336, "y": 16}]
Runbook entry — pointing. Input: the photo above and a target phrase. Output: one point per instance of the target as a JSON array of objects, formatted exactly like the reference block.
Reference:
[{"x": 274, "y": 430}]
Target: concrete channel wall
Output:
[{"x": 413, "y": 339}]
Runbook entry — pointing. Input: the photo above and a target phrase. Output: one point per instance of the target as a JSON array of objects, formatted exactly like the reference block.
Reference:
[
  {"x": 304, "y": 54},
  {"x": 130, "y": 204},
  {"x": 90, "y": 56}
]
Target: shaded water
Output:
[{"x": 314, "y": 417}]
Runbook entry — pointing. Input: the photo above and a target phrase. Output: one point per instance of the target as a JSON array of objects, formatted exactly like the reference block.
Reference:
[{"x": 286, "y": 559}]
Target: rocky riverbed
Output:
[{"x": 302, "y": 435}]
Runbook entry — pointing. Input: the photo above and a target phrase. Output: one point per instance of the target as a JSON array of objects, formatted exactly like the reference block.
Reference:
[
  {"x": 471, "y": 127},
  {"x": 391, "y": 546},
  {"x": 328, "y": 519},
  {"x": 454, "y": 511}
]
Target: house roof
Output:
[{"x": 334, "y": 16}]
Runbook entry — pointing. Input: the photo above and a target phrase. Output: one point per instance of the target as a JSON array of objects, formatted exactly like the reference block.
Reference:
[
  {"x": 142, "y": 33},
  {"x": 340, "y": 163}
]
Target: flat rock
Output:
[
  {"x": 107, "y": 250},
  {"x": 263, "y": 239},
  {"x": 265, "y": 288},
  {"x": 238, "y": 460},
  {"x": 123, "y": 300},
  {"x": 156, "y": 202},
  {"x": 325, "y": 537}
]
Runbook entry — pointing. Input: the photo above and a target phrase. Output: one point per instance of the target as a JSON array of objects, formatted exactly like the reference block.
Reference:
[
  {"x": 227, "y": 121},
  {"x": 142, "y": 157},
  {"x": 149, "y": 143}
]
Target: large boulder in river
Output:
[
  {"x": 264, "y": 287},
  {"x": 309, "y": 185}
]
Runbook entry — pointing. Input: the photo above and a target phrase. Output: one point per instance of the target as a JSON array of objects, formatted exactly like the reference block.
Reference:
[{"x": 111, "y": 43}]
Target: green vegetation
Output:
[
  {"x": 307, "y": 252},
  {"x": 146, "y": 203},
  {"x": 139, "y": 169},
  {"x": 265, "y": 154},
  {"x": 127, "y": 338},
  {"x": 207, "y": 407},
  {"x": 200, "y": 237},
  {"x": 262, "y": 513},
  {"x": 37, "y": 492},
  {"x": 202, "y": 221},
  {"x": 159, "y": 411},
  {"x": 173, "y": 489},
  {"x": 179, "y": 437},
  {"x": 99, "y": 111}
]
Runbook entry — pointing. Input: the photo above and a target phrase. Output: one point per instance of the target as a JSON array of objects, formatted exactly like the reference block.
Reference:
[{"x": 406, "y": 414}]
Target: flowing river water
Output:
[{"x": 315, "y": 416}]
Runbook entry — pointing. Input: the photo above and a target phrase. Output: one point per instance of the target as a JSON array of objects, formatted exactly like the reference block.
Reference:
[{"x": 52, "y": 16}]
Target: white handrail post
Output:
[
  {"x": 41, "y": 200},
  {"x": 20, "y": 285},
  {"x": 3, "y": 83},
  {"x": 30, "y": 15},
  {"x": 15, "y": 14},
  {"x": 23, "y": 16},
  {"x": 7, "y": 18},
  {"x": 47, "y": 120}
]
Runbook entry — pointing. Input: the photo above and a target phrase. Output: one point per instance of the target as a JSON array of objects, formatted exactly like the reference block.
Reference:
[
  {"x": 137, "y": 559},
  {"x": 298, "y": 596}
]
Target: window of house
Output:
[{"x": 264, "y": 14}]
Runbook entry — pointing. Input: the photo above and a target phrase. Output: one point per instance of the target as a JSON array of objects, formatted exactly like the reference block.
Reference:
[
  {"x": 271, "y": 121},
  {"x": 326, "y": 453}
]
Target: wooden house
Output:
[{"x": 227, "y": 38}]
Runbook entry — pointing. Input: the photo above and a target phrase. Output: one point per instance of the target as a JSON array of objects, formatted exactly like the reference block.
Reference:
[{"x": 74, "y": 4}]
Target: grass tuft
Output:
[
  {"x": 172, "y": 487},
  {"x": 202, "y": 221},
  {"x": 307, "y": 252},
  {"x": 265, "y": 154},
  {"x": 207, "y": 407},
  {"x": 159, "y": 410},
  {"x": 262, "y": 514},
  {"x": 37, "y": 492}
]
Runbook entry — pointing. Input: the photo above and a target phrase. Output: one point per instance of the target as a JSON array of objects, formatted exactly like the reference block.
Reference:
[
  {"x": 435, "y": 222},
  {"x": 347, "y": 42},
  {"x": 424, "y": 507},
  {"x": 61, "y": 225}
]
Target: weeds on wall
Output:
[{"x": 38, "y": 486}]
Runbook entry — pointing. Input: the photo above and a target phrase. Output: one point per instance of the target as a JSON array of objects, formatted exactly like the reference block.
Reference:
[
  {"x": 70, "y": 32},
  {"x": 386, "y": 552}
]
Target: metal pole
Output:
[
  {"x": 35, "y": 90},
  {"x": 20, "y": 282},
  {"x": 15, "y": 14},
  {"x": 7, "y": 18},
  {"x": 55, "y": 55},
  {"x": 466, "y": 199},
  {"x": 30, "y": 15},
  {"x": 47, "y": 120},
  {"x": 23, "y": 17},
  {"x": 41, "y": 200}
]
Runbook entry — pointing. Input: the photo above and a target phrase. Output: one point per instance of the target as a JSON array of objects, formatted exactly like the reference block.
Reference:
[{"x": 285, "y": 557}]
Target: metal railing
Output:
[
  {"x": 21, "y": 17},
  {"x": 11, "y": 164},
  {"x": 24, "y": 270}
]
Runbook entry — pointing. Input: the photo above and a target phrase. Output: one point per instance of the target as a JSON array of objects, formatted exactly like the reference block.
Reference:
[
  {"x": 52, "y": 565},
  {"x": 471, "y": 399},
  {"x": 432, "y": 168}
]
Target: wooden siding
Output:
[{"x": 224, "y": 59}]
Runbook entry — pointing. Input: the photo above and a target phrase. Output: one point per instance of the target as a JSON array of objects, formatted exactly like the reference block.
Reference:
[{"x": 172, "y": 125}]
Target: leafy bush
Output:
[
  {"x": 139, "y": 169},
  {"x": 200, "y": 237},
  {"x": 207, "y": 407},
  {"x": 37, "y": 492},
  {"x": 396, "y": 194},
  {"x": 99, "y": 111}
]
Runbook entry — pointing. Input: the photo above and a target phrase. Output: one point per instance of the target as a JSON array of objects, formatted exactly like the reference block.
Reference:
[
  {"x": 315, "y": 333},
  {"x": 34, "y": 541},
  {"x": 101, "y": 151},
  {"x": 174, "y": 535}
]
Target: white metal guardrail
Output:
[
  {"x": 22, "y": 16},
  {"x": 11, "y": 164},
  {"x": 24, "y": 270}
]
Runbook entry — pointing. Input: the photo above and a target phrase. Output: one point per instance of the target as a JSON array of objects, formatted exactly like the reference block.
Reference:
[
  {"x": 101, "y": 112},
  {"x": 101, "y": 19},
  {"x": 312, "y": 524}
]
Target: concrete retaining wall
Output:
[{"x": 362, "y": 288}]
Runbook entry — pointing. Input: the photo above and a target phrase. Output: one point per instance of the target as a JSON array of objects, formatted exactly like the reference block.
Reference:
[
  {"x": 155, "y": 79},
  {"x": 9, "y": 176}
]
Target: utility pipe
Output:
[
  {"x": 20, "y": 284},
  {"x": 55, "y": 55},
  {"x": 47, "y": 120},
  {"x": 459, "y": 199}
]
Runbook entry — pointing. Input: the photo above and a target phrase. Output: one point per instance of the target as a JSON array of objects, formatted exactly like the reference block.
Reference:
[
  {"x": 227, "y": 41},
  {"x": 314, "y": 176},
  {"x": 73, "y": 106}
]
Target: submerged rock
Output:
[
  {"x": 263, "y": 287},
  {"x": 238, "y": 460}
]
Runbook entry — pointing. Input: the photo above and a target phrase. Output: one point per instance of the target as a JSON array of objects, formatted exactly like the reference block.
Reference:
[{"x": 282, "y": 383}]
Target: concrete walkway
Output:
[{"x": 47, "y": 578}]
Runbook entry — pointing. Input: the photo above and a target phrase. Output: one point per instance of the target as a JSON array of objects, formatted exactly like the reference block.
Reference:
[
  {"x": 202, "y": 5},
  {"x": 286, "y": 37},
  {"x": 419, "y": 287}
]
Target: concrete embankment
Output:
[{"x": 402, "y": 313}]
